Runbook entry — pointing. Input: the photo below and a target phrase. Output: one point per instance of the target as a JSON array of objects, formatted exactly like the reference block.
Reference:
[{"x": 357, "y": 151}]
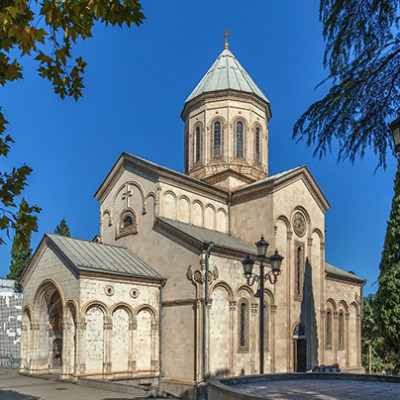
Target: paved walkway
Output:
[
  {"x": 17, "y": 387},
  {"x": 317, "y": 389}
]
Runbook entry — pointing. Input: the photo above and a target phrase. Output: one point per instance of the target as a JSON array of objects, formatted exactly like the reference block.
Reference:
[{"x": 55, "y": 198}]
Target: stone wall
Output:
[{"x": 10, "y": 325}]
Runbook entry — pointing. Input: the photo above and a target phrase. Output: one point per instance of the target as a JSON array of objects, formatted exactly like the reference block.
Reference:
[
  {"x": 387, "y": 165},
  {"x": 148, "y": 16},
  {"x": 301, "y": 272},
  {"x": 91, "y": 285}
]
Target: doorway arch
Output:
[
  {"x": 299, "y": 349},
  {"x": 48, "y": 309}
]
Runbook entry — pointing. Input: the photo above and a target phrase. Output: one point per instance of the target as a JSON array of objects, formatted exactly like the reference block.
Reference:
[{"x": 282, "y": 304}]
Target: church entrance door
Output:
[
  {"x": 300, "y": 355},
  {"x": 299, "y": 349}
]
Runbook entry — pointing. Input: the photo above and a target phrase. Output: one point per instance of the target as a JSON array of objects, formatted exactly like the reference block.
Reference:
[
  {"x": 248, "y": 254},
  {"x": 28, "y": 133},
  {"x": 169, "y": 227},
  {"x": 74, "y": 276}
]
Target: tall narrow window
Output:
[
  {"x": 257, "y": 147},
  {"x": 217, "y": 139},
  {"x": 341, "y": 330},
  {"x": 239, "y": 140},
  {"x": 198, "y": 144},
  {"x": 329, "y": 329},
  {"x": 298, "y": 271},
  {"x": 243, "y": 325},
  {"x": 266, "y": 327}
]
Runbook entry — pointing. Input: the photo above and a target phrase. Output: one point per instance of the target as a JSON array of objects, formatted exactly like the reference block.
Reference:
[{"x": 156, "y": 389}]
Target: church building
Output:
[{"x": 131, "y": 304}]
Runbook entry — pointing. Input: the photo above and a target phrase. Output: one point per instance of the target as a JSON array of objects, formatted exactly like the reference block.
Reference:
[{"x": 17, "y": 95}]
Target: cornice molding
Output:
[
  {"x": 225, "y": 94},
  {"x": 160, "y": 173}
]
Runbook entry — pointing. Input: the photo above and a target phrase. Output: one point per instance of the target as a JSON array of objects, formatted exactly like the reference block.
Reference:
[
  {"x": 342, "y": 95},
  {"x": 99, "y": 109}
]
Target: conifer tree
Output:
[
  {"x": 62, "y": 228},
  {"x": 20, "y": 251},
  {"x": 388, "y": 294}
]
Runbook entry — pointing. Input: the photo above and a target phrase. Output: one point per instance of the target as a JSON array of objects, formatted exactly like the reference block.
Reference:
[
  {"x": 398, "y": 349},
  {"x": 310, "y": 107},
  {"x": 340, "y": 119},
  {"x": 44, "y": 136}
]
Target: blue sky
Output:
[{"x": 136, "y": 83}]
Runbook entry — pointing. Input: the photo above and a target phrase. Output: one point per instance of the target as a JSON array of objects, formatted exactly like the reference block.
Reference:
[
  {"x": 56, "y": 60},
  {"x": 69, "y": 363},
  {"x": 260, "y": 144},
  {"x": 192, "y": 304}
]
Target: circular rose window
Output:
[{"x": 299, "y": 224}]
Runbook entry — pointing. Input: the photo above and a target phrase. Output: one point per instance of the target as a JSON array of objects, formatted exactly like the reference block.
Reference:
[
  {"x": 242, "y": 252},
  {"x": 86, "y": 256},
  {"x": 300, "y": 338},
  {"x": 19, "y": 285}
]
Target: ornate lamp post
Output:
[
  {"x": 395, "y": 128},
  {"x": 248, "y": 264}
]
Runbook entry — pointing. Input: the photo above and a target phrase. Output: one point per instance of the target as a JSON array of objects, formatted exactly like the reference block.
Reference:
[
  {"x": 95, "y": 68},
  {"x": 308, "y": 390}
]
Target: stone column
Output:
[
  {"x": 322, "y": 346},
  {"x": 347, "y": 338},
  {"x": 310, "y": 332},
  {"x": 273, "y": 313},
  {"x": 335, "y": 341},
  {"x": 253, "y": 336},
  {"x": 322, "y": 304},
  {"x": 198, "y": 320},
  {"x": 107, "y": 335},
  {"x": 34, "y": 351},
  {"x": 232, "y": 337},
  {"x": 154, "y": 345},
  {"x": 65, "y": 359},
  {"x": 80, "y": 366},
  {"x": 132, "y": 347},
  {"x": 359, "y": 341},
  {"x": 24, "y": 353},
  {"x": 289, "y": 333}
]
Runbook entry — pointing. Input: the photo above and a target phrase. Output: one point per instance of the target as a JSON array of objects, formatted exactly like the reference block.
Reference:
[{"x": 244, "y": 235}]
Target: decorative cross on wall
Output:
[{"x": 125, "y": 196}]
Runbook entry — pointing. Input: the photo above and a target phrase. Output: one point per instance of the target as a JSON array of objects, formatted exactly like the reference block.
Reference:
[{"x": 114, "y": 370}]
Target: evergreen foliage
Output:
[
  {"x": 388, "y": 294},
  {"x": 20, "y": 251},
  {"x": 47, "y": 31},
  {"x": 62, "y": 229},
  {"x": 363, "y": 56},
  {"x": 372, "y": 339}
]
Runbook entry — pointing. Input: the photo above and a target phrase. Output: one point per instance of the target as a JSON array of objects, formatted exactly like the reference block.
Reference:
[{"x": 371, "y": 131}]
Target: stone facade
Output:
[{"x": 178, "y": 224}]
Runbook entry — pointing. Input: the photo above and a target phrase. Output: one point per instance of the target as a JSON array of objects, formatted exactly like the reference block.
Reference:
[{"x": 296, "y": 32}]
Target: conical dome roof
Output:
[{"x": 226, "y": 73}]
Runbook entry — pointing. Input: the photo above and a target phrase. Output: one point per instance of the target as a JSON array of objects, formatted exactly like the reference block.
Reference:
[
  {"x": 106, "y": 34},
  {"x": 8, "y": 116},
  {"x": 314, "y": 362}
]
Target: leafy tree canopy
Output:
[
  {"x": 363, "y": 56},
  {"x": 20, "y": 251},
  {"x": 62, "y": 228},
  {"x": 388, "y": 294},
  {"x": 47, "y": 31}
]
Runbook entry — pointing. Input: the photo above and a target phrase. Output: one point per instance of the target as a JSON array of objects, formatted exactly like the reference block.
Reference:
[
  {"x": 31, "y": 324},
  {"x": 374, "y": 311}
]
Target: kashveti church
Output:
[{"x": 130, "y": 304}]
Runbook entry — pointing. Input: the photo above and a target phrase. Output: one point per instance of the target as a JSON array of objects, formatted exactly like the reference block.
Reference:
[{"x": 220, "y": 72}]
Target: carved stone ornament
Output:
[
  {"x": 199, "y": 276},
  {"x": 299, "y": 224},
  {"x": 134, "y": 293},
  {"x": 109, "y": 290}
]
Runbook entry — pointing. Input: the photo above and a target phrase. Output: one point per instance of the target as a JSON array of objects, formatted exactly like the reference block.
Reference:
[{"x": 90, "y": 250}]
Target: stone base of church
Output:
[
  {"x": 356, "y": 370},
  {"x": 178, "y": 388}
]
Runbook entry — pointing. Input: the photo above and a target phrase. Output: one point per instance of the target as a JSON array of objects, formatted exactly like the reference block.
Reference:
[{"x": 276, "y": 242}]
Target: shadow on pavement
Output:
[{"x": 11, "y": 395}]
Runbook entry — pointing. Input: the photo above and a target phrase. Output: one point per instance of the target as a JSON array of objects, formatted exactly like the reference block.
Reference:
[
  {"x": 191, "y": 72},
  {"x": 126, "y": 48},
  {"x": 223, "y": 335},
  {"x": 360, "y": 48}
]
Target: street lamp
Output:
[
  {"x": 395, "y": 128},
  {"x": 248, "y": 264}
]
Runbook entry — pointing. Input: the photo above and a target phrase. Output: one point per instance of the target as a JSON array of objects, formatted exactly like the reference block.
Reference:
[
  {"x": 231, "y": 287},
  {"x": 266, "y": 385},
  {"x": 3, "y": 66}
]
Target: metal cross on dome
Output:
[{"x": 226, "y": 38}]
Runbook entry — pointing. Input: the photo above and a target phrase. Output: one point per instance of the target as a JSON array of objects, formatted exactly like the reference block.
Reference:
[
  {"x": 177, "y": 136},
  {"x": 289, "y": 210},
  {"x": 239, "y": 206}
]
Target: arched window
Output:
[
  {"x": 198, "y": 145},
  {"x": 239, "y": 140},
  {"x": 329, "y": 329},
  {"x": 341, "y": 330},
  {"x": 257, "y": 145},
  {"x": 217, "y": 140},
  {"x": 299, "y": 331},
  {"x": 298, "y": 271},
  {"x": 243, "y": 325},
  {"x": 127, "y": 223}
]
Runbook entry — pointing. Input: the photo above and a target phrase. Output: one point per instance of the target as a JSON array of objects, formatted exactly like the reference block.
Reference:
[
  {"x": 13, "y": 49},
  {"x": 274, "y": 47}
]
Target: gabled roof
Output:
[
  {"x": 87, "y": 256},
  {"x": 337, "y": 272},
  {"x": 204, "y": 236},
  {"x": 226, "y": 73},
  {"x": 283, "y": 178},
  {"x": 157, "y": 170}
]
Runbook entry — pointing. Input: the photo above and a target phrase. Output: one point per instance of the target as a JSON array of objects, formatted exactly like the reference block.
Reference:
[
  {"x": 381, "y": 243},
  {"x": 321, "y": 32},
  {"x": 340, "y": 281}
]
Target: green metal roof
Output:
[
  {"x": 226, "y": 73},
  {"x": 205, "y": 236},
  {"x": 98, "y": 257},
  {"x": 330, "y": 269},
  {"x": 225, "y": 241}
]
